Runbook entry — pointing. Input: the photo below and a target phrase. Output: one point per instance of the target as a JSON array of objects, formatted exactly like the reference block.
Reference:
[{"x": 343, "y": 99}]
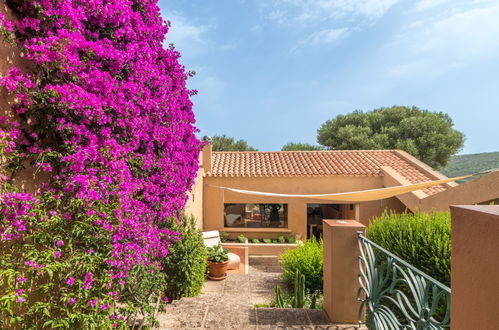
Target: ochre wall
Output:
[
  {"x": 194, "y": 204},
  {"x": 28, "y": 180},
  {"x": 214, "y": 199},
  {"x": 475, "y": 267},
  {"x": 485, "y": 188}
]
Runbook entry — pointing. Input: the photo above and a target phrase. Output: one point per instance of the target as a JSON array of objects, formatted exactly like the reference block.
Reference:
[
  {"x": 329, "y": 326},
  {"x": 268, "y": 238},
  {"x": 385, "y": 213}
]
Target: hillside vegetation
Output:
[{"x": 472, "y": 163}]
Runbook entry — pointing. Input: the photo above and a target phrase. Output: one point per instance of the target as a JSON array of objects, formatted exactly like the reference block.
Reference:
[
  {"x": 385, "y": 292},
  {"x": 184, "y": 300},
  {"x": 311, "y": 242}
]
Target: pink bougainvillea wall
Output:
[{"x": 105, "y": 113}]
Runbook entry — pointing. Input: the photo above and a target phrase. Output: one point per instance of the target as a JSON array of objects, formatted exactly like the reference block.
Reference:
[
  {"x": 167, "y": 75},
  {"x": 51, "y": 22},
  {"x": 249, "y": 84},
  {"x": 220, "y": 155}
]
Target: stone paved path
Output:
[{"x": 229, "y": 304}]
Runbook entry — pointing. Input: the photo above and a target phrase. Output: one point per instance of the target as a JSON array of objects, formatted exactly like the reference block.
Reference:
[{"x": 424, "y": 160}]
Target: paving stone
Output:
[
  {"x": 229, "y": 304},
  {"x": 234, "y": 287},
  {"x": 182, "y": 317},
  {"x": 231, "y": 318},
  {"x": 273, "y": 269},
  {"x": 237, "y": 278},
  {"x": 265, "y": 286},
  {"x": 261, "y": 298},
  {"x": 282, "y": 316},
  {"x": 213, "y": 286}
]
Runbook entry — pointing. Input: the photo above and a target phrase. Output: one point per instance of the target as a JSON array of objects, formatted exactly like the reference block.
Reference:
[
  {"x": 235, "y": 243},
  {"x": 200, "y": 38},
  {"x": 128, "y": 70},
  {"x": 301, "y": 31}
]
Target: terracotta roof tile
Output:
[{"x": 317, "y": 163}]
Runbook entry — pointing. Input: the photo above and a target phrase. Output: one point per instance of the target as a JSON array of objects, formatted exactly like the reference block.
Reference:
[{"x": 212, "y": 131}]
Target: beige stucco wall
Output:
[
  {"x": 10, "y": 55},
  {"x": 485, "y": 188},
  {"x": 475, "y": 267},
  {"x": 194, "y": 204},
  {"x": 214, "y": 199}
]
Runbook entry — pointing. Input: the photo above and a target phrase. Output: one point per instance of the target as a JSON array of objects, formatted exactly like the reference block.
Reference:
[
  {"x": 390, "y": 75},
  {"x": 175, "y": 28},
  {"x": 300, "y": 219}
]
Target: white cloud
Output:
[
  {"x": 327, "y": 36},
  {"x": 423, "y": 5},
  {"x": 461, "y": 38},
  {"x": 189, "y": 38},
  {"x": 313, "y": 10}
]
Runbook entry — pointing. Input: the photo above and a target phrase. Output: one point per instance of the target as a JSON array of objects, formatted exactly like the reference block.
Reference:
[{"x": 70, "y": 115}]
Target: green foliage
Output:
[
  {"x": 292, "y": 239},
  {"x": 255, "y": 240},
  {"x": 224, "y": 236},
  {"x": 241, "y": 238},
  {"x": 225, "y": 143},
  {"x": 217, "y": 253},
  {"x": 300, "y": 147},
  {"x": 267, "y": 240},
  {"x": 185, "y": 266},
  {"x": 306, "y": 258},
  {"x": 472, "y": 163},
  {"x": 426, "y": 135},
  {"x": 281, "y": 239},
  {"x": 62, "y": 277},
  {"x": 423, "y": 240},
  {"x": 275, "y": 241}
]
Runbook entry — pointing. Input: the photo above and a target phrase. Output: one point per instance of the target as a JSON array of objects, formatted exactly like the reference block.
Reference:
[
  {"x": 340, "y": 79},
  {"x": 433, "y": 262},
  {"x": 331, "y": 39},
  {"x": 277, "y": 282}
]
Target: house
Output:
[{"x": 314, "y": 172}]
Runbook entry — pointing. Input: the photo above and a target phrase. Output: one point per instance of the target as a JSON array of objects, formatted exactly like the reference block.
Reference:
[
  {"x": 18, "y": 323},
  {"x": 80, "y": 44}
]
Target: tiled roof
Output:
[{"x": 316, "y": 163}]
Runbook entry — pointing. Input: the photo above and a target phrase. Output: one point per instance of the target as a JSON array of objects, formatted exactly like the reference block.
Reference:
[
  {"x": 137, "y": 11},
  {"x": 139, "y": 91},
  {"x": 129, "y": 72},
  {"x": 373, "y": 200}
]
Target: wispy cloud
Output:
[
  {"x": 423, "y": 5},
  {"x": 187, "y": 37},
  {"x": 460, "y": 38},
  {"x": 327, "y": 36},
  {"x": 314, "y": 10}
]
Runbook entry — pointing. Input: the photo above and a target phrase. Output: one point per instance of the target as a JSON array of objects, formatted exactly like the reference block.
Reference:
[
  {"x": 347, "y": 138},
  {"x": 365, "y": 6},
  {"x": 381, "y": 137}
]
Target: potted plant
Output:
[{"x": 218, "y": 261}]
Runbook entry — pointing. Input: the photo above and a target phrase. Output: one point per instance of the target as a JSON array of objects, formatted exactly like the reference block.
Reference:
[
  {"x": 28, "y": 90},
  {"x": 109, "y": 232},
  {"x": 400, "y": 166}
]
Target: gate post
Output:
[
  {"x": 341, "y": 269},
  {"x": 475, "y": 267}
]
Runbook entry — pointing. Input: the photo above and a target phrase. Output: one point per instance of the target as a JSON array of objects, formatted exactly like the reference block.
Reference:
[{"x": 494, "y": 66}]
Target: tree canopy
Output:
[
  {"x": 226, "y": 143},
  {"x": 428, "y": 136},
  {"x": 300, "y": 146}
]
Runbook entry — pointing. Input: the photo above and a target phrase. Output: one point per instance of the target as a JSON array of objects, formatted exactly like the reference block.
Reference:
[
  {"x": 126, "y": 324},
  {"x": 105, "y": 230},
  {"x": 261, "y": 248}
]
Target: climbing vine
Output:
[{"x": 105, "y": 113}]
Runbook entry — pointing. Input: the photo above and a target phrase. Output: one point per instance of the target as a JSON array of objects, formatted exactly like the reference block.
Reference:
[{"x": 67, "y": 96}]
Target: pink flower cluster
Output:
[{"x": 107, "y": 113}]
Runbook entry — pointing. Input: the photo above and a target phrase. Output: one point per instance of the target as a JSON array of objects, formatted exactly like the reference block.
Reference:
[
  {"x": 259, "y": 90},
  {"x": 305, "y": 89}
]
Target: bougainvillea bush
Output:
[{"x": 104, "y": 111}]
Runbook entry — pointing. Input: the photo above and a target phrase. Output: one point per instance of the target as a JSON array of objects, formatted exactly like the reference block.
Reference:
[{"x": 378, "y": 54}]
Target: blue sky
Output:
[{"x": 272, "y": 71}]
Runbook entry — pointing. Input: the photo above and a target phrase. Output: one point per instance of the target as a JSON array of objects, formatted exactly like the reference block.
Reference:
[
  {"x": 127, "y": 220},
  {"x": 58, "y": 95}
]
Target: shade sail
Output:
[{"x": 357, "y": 196}]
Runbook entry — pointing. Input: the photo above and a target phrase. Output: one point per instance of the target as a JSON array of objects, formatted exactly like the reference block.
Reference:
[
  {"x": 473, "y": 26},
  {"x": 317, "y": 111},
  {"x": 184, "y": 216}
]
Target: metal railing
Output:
[{"x": 396, "y": 295}]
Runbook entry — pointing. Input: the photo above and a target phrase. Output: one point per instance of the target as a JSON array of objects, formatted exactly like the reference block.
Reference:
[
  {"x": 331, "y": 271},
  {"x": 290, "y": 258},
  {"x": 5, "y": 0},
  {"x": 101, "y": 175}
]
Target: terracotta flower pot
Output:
[{"x": 217, "y": 270}]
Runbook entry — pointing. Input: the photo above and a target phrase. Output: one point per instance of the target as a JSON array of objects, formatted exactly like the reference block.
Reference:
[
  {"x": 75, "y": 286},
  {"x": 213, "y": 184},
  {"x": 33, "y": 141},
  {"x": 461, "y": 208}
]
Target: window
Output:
[{"x": 256, "y": 215}]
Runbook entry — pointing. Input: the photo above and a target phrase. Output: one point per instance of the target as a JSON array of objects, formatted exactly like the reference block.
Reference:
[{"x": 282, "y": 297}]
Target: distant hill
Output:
[{"x": 472, "y": 163}]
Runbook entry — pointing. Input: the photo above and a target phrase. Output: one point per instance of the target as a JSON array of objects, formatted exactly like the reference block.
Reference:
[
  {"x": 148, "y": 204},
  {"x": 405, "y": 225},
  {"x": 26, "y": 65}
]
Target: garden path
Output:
[{"x": 230, "y": 304}]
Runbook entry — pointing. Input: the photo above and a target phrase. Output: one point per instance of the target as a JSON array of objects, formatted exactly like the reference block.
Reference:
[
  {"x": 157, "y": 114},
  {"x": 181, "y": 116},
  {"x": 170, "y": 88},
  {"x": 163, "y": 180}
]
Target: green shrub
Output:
[
  {"x": 185, "y": 266},
  {"x": 274, "y": 241},
  {"x": 255, "y": 240},
  {"x": 291, "y": 239},
  {"x": 423, "y": 240},
  {"x": 308, "y": 259},
  {"x": 267, "y": 240},
  {"x": 224, "y": 236},
  {"x": 241, "y": 238},
  {"x": 281, "y": 239}
]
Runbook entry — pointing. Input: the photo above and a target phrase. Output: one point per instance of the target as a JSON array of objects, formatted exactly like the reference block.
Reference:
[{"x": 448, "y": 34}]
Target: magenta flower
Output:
[
  {"x": 72, "y": 301},
  {"x": 120, "y": 114},
  {"x": 70, "y": 281},
  {"x": 19, "y": 292},
  {"x": 104, "y": 306},
  {"x": 21, "y": 279},
  {"x": 93, "y": 302},
  {"x": 21, "y": 299}
]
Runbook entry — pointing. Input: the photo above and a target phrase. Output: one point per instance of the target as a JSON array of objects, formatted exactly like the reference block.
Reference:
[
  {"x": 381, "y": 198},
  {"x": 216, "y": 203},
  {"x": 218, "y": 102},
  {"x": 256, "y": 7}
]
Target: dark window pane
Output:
[{"x": 256, "y": 215}]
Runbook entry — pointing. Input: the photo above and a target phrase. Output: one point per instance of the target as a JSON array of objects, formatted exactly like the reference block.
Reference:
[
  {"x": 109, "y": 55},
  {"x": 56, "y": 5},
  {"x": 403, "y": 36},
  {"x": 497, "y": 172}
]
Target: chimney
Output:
[{"x": 206, "y": 154}]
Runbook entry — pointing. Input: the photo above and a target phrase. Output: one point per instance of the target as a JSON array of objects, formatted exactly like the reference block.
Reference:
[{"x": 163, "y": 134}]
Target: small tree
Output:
[
  {"x": 225, "y": 143},
  {"x": 426, "y": 135},
  {"x": 300, "y": 147}
]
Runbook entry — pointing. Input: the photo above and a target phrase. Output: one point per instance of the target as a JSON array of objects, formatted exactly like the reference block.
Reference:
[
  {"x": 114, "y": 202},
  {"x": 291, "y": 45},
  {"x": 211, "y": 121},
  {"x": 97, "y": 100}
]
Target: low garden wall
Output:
[{"x": 263, "y": 249}]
